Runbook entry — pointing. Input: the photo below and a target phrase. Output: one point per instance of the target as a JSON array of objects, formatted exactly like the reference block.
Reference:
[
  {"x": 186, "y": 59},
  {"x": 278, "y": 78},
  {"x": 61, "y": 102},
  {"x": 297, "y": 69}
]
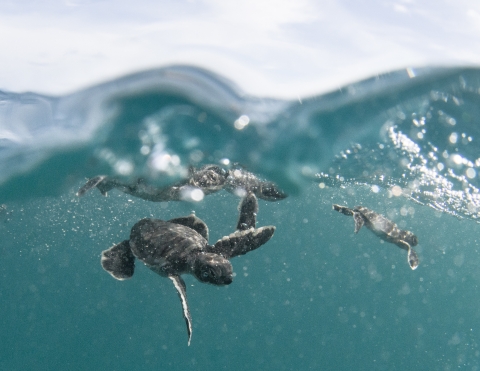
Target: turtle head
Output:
[{"x": 213, "y": 269}]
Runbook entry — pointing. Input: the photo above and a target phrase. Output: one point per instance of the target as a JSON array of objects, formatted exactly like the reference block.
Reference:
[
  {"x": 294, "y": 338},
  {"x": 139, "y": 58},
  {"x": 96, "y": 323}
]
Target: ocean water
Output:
[{"x": 316, "y": 296}]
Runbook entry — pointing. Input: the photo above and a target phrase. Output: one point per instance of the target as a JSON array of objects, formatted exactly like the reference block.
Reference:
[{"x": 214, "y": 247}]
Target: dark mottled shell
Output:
[{"x": 165, "y": 245}]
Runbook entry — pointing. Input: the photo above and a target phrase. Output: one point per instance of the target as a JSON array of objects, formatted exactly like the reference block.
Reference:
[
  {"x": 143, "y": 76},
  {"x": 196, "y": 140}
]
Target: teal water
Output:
[{"x": 316, "y": 296}]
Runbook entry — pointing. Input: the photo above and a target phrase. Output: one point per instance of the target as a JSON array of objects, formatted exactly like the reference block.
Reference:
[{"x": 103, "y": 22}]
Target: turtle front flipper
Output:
[
  {"x": 248, "y": 212},
  {"x": 182, "y": 293},
  {"x": 191, "y": 221},
  {"x": 359, "y": 221},
  {"x": 357, "y": 217},
  {"x": 241, "y": 242},
  {"x": 119, "y": 261},
  {"x": 412, "y": 257}
]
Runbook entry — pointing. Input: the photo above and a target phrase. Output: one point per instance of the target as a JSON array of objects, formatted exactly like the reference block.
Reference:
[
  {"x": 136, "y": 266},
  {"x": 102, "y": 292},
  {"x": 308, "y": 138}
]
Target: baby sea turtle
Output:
[
  {"x": 180, "y": 246},
  {"x": 383, "y": 228},
  {"x": 209, "y": 179}
]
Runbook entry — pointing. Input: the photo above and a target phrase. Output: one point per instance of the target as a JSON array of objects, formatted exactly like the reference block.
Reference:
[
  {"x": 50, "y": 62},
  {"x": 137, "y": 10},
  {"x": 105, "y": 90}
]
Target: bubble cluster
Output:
[{"x": 421, "y": 158}]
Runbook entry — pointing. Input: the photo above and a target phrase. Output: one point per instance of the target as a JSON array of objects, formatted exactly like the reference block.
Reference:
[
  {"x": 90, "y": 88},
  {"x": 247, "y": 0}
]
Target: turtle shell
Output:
[{"x": 164, "y": 246}]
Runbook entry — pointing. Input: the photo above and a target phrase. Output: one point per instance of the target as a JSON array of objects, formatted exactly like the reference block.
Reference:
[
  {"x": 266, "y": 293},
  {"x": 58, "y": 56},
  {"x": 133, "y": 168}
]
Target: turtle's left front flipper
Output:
[
  {"x": 182, "y": 293},
  {"x": 357, "y": 217},
  {"x": 248, "y": 212},
  {"x": 241, "y": 242}
]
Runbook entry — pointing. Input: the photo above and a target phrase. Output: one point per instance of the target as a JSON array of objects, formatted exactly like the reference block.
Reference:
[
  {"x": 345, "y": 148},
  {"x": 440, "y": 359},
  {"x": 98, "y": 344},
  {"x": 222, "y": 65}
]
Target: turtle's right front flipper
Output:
[
  {"x": 412, "y": 257},
  {"x": 241, "y": 242},
  {"x": 182, "y": 293},
  {"x": 248, "y": 212},
  {"x": 99, "y": 182},
  {"x": 119, "y": 261},
  {"x": 357, "y": 217}
]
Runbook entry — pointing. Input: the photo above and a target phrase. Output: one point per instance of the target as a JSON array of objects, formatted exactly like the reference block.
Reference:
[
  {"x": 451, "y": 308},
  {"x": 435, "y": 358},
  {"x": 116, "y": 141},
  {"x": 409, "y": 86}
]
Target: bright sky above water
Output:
[{"x": 268, "y": 47}]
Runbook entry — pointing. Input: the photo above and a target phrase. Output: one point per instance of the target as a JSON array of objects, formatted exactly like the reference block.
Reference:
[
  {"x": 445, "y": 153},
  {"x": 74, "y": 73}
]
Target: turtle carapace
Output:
[{"x": 383, "y": 228}]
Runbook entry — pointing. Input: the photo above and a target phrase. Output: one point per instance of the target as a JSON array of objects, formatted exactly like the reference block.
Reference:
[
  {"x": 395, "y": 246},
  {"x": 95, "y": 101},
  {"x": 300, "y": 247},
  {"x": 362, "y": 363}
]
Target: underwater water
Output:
[{"x": 317, "y": 295}]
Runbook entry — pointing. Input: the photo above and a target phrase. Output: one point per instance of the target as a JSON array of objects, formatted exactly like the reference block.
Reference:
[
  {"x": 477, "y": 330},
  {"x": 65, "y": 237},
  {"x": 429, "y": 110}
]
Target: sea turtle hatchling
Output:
[
  {"x": 180, "y": 246},
  {"x": 209, "y": 179},
  {"x": 383, "y": 228}
]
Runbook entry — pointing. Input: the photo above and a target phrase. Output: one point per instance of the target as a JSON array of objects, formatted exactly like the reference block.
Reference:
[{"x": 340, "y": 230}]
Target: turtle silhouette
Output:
[
  {"x": 383, "y": 228},
  {"x": 209, "y": 179},
  {"x": 180, "y": 246}
]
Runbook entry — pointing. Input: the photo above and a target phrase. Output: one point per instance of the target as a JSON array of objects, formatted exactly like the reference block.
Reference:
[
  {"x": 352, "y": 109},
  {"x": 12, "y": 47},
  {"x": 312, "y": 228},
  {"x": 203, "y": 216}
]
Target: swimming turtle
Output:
[
  {"x": 180, "y": 246},
  {"x": 383, "y": 228},
  {"x": 209, "y": 179}
]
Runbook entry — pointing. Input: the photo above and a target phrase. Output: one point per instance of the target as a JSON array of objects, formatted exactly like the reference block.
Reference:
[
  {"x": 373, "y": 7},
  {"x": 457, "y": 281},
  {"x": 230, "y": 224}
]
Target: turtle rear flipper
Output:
[
  {"x": 182, "y": 293},
  {"x": 119, "y": 261},
  {"x": 241, "y": 242},
  {"x": 95, "y": 182},
  {"x": 248, "y": 212},
  {"x": 191, "y": 221}
]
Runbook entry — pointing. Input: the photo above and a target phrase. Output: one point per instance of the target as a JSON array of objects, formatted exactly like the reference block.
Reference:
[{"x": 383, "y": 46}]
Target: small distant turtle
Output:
[
  {"x": 180, "y": 246},
  {"x": 209, "y": 179},
  {"x": 383, "y": 228}
]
